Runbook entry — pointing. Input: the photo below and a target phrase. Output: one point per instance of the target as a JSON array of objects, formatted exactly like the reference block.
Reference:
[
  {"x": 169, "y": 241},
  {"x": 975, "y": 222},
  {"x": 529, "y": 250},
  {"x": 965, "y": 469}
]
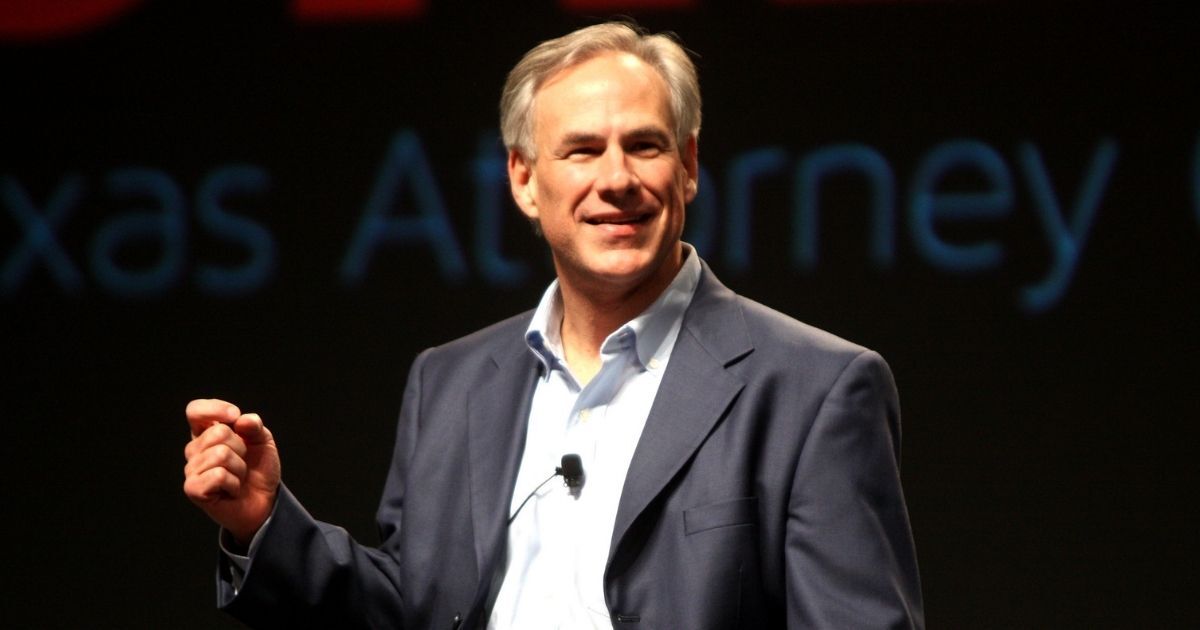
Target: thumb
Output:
[{"x": 250, "y": 428}]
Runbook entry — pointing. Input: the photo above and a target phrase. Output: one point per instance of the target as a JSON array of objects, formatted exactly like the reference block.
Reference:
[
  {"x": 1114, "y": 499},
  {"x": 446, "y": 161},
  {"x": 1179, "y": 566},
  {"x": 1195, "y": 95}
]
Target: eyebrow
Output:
[{"x": 580, "y": 138}]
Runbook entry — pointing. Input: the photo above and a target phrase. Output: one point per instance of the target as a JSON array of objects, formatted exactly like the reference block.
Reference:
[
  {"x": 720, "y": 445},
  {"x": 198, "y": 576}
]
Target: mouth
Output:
[{"x": 622, "y": 219}]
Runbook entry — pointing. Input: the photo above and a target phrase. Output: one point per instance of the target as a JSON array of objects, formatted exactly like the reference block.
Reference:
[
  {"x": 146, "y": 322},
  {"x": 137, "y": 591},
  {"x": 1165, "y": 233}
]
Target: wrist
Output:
[{"x": 237, "y": 543}]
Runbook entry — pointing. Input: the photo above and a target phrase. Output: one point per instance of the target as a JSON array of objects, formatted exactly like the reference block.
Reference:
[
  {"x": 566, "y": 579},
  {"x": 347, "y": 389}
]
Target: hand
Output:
[{"x": 232, "y": 470}]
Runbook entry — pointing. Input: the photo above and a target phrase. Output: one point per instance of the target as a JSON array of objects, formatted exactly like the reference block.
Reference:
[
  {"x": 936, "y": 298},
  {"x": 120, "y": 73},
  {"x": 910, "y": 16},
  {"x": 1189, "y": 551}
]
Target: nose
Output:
[{"x": 617, "y": 180}]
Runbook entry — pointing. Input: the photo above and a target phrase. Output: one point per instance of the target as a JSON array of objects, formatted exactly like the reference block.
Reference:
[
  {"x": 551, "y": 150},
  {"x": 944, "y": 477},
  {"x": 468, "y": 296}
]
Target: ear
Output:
[
  {"x": 523, "y": 182},
  {"x": 691, "y": 164}
]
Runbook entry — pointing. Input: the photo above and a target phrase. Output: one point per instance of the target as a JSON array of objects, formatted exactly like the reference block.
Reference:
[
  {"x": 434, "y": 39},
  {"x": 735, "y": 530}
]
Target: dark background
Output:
[{"x": 1047, "y": 449}]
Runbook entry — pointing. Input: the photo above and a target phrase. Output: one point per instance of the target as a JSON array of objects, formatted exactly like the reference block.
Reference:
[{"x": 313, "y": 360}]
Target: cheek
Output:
[
  {"x": 669, "y": 180},
  {"x": 562, "y": 188}
]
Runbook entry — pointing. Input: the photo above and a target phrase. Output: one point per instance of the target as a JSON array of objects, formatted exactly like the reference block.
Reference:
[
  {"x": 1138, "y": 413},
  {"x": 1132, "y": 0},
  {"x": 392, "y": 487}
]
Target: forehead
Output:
[{"x": 608, "y": 89}]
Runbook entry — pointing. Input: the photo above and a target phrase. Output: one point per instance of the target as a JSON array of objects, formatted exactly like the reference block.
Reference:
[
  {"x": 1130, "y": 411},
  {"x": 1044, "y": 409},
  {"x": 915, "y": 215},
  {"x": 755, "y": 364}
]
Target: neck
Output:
[{"x": 593, "y": 311}]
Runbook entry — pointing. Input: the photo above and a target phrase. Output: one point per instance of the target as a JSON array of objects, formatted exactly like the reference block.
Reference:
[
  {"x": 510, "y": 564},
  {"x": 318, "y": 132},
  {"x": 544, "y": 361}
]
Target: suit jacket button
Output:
[{"x": 456, "y": 622}]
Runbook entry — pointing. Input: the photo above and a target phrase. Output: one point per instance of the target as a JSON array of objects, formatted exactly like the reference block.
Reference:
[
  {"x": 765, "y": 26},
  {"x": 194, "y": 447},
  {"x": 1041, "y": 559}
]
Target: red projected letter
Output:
[{"x": 31, "y": 20}]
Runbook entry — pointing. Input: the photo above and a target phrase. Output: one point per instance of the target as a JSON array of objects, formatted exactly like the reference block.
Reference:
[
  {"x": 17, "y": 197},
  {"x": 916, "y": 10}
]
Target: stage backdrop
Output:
[{"x": 281, "y": 203}]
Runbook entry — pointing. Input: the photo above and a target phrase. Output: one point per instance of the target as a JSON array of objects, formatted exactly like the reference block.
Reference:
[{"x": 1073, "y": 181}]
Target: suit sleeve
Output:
[
  {"x": 310, "y": 574},
  {"x": 850, "y": 560}
]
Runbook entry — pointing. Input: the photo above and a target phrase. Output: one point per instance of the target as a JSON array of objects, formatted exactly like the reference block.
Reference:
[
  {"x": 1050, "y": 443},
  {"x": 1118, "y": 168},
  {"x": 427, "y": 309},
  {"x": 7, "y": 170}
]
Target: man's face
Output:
[{"x": 609, "y": 184}]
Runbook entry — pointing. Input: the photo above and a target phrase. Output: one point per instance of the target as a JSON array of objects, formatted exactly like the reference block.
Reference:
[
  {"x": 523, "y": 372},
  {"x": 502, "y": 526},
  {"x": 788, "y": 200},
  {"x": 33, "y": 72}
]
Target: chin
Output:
[
  {"x": 622, "y": 261},
  {"x": 629, "y": 266}
]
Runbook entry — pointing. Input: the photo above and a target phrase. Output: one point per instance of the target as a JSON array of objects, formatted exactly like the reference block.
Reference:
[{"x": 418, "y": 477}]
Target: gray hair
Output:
[{"x": 660, "y": 52}]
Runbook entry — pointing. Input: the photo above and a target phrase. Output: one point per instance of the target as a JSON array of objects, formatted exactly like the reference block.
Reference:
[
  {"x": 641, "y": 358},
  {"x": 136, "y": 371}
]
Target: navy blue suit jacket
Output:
[{"x": 764, "y": 492}]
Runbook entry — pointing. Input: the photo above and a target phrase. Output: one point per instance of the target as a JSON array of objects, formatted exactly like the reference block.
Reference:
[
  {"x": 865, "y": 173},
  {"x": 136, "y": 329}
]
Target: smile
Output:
[{"x": 619, "y": 220}]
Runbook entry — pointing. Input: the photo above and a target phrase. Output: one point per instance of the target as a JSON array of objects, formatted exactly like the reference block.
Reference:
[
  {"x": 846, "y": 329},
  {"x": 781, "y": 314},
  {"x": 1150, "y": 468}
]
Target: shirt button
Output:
[
  {"x": 585, "y": 415},
  {"x": 654, "y": 364}
]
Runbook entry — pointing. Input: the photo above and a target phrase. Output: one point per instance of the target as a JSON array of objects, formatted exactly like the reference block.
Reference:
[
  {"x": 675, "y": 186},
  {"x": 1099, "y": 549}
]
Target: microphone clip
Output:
[{"x": 571, "y": 470}]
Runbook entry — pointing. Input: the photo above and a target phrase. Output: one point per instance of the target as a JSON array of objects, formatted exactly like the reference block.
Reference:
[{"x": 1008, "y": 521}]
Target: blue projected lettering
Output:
[
  {"x": 165, "y": 223},
  {"x": 405, "y": 162},
  {"x": 237, "y": 179},
  {"x": 835, "y": 160},
  {"x": 142, "y": 251},
  {"x": 960, "y": 183},
  {"x": 1066, "y": 241},
  {"x": 40, "y": 240},
  {"x": 927, "y": 206},
  {"x": 1196, "y": 182},
  {"x": 489, "y": 169},
  {"x": 744, "y": 170}
]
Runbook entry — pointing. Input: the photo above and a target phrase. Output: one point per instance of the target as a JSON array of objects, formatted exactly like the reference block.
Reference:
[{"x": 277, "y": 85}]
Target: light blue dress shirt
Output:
[{"x": 558, "y": 544}]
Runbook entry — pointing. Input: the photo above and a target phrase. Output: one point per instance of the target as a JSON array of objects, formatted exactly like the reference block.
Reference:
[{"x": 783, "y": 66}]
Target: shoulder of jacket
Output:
[
  {"x": 770, "y": 329},
  {"x": 482, "y": 342}
]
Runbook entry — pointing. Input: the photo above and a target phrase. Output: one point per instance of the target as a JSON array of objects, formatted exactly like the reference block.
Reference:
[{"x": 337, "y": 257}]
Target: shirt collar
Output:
[{"x": 654, "y": 330}]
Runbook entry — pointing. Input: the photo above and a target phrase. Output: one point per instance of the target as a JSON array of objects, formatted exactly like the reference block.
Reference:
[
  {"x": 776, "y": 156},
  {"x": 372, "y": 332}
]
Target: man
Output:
[{"x": 740, "y": 468}]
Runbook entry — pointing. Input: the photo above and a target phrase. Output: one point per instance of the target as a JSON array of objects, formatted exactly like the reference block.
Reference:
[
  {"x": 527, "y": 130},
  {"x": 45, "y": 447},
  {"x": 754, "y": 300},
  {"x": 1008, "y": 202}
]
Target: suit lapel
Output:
[
  {"x": 695, "y": 392},
  {"x": 497, "y": 415}
]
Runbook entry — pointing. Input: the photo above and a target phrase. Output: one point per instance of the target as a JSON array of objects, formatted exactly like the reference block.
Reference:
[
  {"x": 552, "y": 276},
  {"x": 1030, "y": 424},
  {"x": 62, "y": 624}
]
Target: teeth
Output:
[{"x": 622, "y": 221}]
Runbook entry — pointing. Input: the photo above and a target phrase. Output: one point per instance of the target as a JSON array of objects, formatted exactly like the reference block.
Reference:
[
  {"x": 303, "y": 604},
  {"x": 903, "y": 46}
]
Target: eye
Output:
[
  {"x": 646, "y": 148},
  {"x": 582, "y": 151}
]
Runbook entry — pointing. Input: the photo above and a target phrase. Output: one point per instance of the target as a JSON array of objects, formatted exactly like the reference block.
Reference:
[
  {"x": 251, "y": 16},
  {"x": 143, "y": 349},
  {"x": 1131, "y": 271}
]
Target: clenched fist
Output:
[{"x": 232, "y": 470}]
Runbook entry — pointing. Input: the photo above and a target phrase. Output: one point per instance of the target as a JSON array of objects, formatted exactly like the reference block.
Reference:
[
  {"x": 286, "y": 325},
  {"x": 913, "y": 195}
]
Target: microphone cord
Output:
[{"x": 557, "y": 472}]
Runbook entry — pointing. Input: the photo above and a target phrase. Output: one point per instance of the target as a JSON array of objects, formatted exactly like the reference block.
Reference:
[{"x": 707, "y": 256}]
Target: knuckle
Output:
[
  {"x": 213, "y": 479},
  {"x": 219, "y": 431},
  {"x": 229, "y": 482},
  {"x": 227, "y": 455},
  {"x": 193, "y": 488}
]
